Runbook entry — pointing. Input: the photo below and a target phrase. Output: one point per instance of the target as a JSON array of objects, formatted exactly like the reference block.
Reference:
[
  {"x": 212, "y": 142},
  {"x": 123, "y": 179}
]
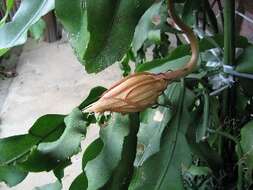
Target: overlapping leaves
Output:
[
  {"x": 153, "y": 123},
  {"x": 174, "y": 152},
  {"x": 100, "y": 169},
  {"x": 15, "y": 32},
  {"x": 49, "y": 145},
  {"x": 11, "y": 175},
  {"x": 73, "y": 16},
  {"x": 146, "y": 25},
  {"x": 102, "y": 31},
  {"x": 180, "y": 55},
  {"x": 247, "y": 143}
]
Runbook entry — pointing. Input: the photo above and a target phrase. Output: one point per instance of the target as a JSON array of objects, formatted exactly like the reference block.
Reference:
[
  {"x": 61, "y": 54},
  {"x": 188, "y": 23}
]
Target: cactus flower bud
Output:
[
  {"x": 139, "y": 91},
  {"x": 131, "y": 94}
]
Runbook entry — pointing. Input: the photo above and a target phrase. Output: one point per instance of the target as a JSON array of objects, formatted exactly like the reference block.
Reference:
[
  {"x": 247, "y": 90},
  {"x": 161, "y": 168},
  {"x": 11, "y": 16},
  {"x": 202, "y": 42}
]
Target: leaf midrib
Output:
[
  {"x": 160, "y": 182},
  {"x": 157, "y": 131},
  {"x": 27, "y": 151}
]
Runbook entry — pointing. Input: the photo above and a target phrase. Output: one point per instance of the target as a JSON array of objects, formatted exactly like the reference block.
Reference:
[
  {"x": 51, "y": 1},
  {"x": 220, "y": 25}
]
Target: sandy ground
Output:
[{"x": 50, "y": 80}]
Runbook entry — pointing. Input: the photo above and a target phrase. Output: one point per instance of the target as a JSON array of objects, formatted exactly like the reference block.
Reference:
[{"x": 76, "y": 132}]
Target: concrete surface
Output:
[{"x": 50, "y": 80}]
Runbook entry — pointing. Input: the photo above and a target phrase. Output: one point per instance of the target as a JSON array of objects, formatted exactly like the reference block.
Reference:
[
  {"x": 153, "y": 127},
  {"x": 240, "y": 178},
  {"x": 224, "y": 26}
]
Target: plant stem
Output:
[
  {"x": 239, "y": 155},
  {"x": 229, "y": 54},
  {"x": 229, "y": 50},
  {"x": 229, "y": 96},
  {"x": 124, "y": 171},
  {"x": 206, "y": 113},
  {"x": 224, "y": 134},
  {"x": 229, "y": 34}
]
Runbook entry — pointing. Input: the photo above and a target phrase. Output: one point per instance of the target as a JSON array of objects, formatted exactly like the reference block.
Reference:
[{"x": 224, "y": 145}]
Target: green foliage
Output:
[
  {"x": 11, "y": 175},
  {"x": 15, "y": 32},
  {"x": 199, "y": 171},
  {"x": 50, "y": 155},
  {"x": 178, "y": 57},
  {"x": 80, "y": 181},
  {"x": 191, "y": 139},
  {"x": 188, "y": 11},
  {"x": 69, "y": 142},
  {"x": 53, "y": 186},
  {"x": 174, "y": 152},
  {"x": 111, "y": 25},
  {"x": 9, "y": 6},
  {"x": 3, "y": 51},
  {"x": 94, "y": 95},
  {"x": 73, "y": 16},
  {"x": 146, "y": 25},
  {"x": 244, "y": 61},
  {"x": 104, "y": 28},
  {"x": 153, "y": 123},
  {"x": 99, "y": 170},
  {"x": 37, "y": 29},
  {"x": 245, "y": 66},
  {"x": 124, "y": 171},
  {"x": 16, "y": 147},
  {"x": 247, "y": 143}
]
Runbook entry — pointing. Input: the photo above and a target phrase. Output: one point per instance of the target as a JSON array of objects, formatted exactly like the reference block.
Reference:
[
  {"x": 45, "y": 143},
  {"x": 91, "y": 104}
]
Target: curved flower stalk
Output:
[{"x": 139, "y": 91}]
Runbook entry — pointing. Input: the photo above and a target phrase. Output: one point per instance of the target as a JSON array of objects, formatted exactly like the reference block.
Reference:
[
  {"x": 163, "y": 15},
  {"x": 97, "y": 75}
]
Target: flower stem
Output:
[{"x": 191, "y": 64}]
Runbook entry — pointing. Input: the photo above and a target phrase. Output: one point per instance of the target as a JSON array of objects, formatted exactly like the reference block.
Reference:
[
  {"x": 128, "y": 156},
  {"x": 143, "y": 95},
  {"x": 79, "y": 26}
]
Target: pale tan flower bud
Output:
[{"x": 131, "y": 94}]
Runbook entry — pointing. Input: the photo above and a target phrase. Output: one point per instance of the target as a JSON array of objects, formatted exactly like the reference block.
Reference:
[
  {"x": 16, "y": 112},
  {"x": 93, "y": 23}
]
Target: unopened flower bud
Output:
[{"x": 131, "y": 94}]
